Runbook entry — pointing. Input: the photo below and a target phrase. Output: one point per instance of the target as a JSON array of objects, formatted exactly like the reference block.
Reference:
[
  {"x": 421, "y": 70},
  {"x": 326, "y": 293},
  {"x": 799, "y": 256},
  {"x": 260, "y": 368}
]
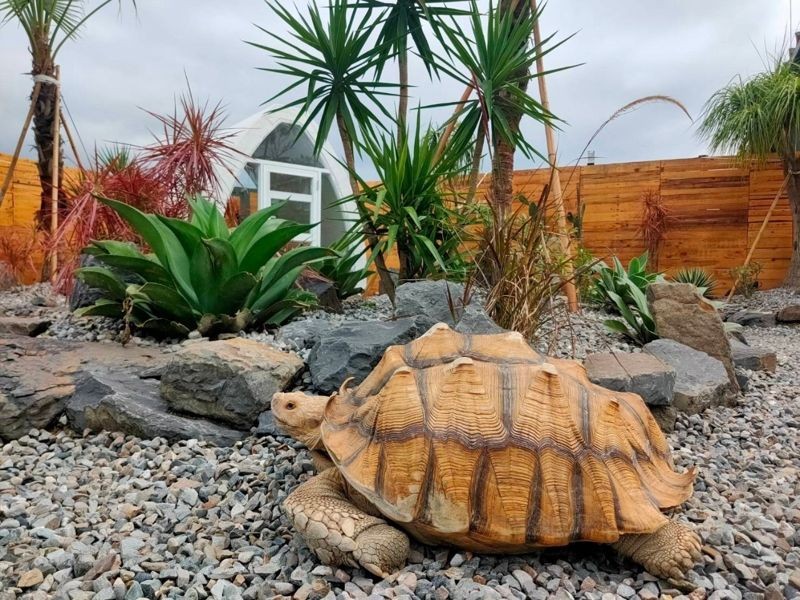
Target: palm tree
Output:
[
  {"x": 332, "y": 64},
  {"x": 48, "y": 25},
  {"x": 755, "y": 119},
  {"x": 403, "y": 19}
]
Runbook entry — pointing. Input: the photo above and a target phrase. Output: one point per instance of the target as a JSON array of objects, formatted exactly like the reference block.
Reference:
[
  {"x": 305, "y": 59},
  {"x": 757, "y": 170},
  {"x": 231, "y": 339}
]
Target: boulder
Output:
[
  {"x": 118, "y": 401},
  {"x": 683, "y": 315},
  {"x": 37, "y": 377},
  {"x": 323, "y": 288},
  {"x": 701, "y": 381},
  {"x": 753, "y": 359},
  {"x": 441, "y": 301},
  {"x": 753, "y": 318},
  {"x": 665, "y": 416},
  {"x": 230, "y": 380},
  {"x": 82, "y": 294},
  {"x": 475, "y": 320},
  {"x": 353, "y": 348},
  {"x": 27, "y": 326},
  {"x": 789, "y": 314},
  {"x": 302, "y": 334},
  {"x": 433, "y": 302},
  {"x": 639, "y": 373}
]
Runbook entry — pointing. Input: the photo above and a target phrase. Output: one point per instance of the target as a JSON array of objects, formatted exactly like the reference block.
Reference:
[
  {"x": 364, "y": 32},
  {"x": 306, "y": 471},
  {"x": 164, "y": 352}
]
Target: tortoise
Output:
[{"x": 479, "y": 442}]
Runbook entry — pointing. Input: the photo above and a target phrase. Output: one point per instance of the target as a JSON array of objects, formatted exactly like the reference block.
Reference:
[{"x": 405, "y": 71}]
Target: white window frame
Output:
[{"x": 266, "y": 196}]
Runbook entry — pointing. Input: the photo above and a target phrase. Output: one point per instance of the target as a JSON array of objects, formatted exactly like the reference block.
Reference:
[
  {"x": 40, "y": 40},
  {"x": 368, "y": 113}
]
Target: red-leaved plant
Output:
[{"x": 181, "y": 163}]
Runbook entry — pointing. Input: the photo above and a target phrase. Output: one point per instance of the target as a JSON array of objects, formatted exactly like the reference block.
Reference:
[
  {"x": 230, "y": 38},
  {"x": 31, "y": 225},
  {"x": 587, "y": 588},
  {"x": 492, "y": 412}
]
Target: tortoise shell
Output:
[{"x": 480, "y": 442}]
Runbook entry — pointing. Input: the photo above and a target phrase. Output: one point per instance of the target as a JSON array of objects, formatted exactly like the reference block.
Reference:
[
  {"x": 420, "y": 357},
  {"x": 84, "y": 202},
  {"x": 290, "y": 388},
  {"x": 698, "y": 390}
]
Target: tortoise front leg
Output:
[
  {"x": 340, "y": 533},
  {"x": 668, "y": 552}
]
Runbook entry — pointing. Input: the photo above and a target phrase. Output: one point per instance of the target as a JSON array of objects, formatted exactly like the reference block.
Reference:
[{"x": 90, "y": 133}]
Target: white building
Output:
[{"x": 275, "y": 165}]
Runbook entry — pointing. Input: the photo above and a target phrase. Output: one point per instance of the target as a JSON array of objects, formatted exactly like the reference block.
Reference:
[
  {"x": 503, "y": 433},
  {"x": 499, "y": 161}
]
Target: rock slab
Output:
[
  {"x": 25, "y": 326},
  {"x": 753, "y": 318},
  {"x": 37, "y": 377},
  {"x": 230, "y": 380},
  {"x": 118, "y": 401},
  {"x": 753, "y": 359},
  {"x": 701, "y": 380},
  {"x": 639, "y": 373},
  {"x": 789, "y": 314},
  {"x": 683, "y": 315},
  {"x": 353, "y": 348}
]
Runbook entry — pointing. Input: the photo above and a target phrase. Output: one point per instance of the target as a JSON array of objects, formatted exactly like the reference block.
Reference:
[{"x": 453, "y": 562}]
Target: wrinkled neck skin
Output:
[{"x": 313, "y": 440}]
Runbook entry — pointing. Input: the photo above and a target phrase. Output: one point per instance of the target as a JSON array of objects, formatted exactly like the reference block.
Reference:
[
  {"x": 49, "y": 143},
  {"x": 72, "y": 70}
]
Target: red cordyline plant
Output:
[
  {"x": 183, "y": 162},
  {"x": 189, "y": 153}
]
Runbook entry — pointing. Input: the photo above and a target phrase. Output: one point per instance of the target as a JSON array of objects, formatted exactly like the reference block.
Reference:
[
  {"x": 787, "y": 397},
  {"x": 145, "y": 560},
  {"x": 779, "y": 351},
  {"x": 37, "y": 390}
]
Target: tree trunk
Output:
[
  {"x": 475, "y": 169},
  {"x": 43, "y": 120},
  {"x": 504, "y": 149},
  {"x": 387, "y": 284},
  {"x": 402, "y": 106},
  {"x": 793, "y": 191}
]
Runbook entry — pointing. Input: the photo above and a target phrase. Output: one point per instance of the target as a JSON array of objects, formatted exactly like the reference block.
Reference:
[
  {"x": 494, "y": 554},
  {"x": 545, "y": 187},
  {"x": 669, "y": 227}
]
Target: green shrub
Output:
[
  {"x": 200, "y": 275},
  {"x": 746, "y": 279},
  {"x": 624, "y": 292},
  {"x": 341, "y": 268},
  {"x": 699, "y": 278}
]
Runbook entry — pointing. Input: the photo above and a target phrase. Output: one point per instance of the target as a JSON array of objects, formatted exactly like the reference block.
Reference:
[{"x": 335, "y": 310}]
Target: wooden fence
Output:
[{"x": 715, "y": 210}]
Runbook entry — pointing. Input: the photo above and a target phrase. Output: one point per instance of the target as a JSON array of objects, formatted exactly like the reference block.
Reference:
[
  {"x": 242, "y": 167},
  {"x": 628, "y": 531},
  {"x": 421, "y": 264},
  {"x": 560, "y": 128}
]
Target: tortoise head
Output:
[{"x": 300, "y": 416}]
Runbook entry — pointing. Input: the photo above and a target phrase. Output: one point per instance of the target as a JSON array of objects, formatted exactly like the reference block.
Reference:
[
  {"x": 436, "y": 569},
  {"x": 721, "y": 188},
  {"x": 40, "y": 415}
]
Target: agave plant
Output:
[
  {"x": 200, "y": 275},
  {"x": 623, "y": 291},
  {"x": 699, "y": 278}
]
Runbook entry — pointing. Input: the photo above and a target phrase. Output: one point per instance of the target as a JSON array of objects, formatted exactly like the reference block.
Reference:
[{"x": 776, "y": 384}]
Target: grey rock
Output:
[
  {"x": 475, "y": 320},
  {"x": 789, "y": 314},
  {"x": 753, "y": 318},
  {"x": 229, "y": 380},
  {"x": 354, "y": 348},
  {"x": 266, "y": 425},
  {"x": 640, "y": 373},
  {"x": 434, "y": 301},
  {"x": 303, "y": 333},
  {"x": 701, "y": 381},
  {"x": 683, "y": 315},
  {"x": 25, "y": 326},
  {"x": 753, "y": 359},
  {"x": 121, "y": 402}
]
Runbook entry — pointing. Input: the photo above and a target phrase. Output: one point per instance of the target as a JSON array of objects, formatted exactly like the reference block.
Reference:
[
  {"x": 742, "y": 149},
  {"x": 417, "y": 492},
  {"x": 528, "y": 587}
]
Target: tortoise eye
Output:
[{"x": 290, "y": 406}]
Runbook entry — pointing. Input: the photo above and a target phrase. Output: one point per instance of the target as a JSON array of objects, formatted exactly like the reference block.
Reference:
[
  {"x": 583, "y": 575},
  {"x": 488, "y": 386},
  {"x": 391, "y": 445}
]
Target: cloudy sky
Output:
[{"x": 686, "y": 49}]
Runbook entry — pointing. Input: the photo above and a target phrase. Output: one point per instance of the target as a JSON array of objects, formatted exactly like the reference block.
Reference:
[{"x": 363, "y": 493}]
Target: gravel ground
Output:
[{"x": 111, "y": 517}]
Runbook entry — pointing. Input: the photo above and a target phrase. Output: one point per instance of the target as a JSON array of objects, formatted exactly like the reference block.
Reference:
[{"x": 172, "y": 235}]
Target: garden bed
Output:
[{"x": 112, "y": 516}]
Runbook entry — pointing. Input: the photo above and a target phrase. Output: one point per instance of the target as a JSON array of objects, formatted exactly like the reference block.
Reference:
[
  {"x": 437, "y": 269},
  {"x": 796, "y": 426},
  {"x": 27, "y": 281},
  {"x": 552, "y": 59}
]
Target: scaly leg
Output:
[
  {"x": 340, "y": 533},
  {"x": 668, "y": 552}
]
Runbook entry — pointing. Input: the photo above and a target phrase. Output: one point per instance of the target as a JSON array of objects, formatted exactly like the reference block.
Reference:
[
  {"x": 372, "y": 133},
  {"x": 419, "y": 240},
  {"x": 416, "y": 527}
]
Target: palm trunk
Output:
[
  {"x": 402, "y": 107},
  {"x": 504, "y": 149},
  {"x": 793, "y": 191},
  {"x": 43, "y": 120},
  {"x": 475, "y": 169},
  {"x": 387, "y": 284}
]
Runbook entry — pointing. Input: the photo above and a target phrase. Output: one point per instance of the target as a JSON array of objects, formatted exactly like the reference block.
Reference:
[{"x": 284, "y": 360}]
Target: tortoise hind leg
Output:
[
  {"x": 669, "y": 552},
  {"x": 339, "y": 532}
]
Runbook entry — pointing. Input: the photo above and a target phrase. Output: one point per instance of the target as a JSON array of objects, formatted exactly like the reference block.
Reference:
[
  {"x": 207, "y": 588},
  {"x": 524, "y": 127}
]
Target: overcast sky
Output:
[{"x": 629, "y": 48}]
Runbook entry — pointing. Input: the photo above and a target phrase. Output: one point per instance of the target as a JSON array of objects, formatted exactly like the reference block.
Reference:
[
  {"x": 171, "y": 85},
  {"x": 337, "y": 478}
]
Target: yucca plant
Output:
[
  {"x": 411, "y": 208},
  {"x": 493, "y": 56},
  {"x": 200, "y": 275},
  {"x": 699, "y": 278},
  {"x": 332, "y": 63},
  {"x": 48, "y": 25}
]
